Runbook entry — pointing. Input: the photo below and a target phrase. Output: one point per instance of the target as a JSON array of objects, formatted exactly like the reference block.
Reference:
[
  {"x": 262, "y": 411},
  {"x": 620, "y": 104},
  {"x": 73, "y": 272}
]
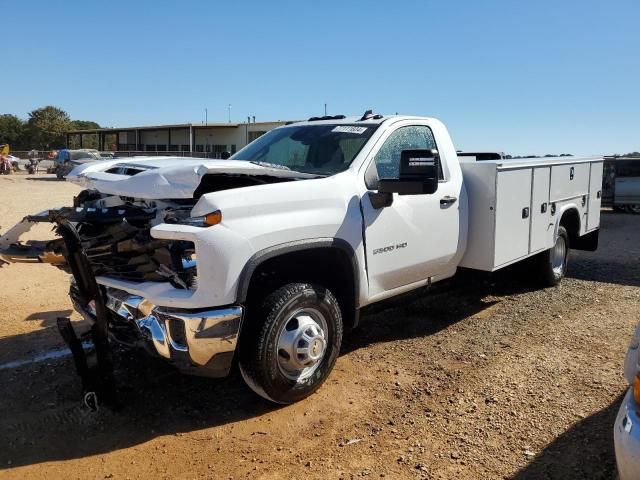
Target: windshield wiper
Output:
[
  {"x": 284, "y": 167},
  {"x": 270, "y": 165}
]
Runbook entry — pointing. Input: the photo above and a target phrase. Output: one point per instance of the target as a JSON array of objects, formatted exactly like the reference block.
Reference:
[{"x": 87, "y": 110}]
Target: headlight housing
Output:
[{"x": 208, "y": 220}]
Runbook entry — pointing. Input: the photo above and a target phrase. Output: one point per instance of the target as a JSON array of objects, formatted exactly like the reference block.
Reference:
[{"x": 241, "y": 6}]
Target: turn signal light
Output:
[
  {"x": 636, "y": 389},
  {"x": 213, "y": 218}
]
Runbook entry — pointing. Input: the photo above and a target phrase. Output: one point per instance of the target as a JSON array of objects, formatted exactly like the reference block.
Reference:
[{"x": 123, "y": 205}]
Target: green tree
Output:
[
  {"x": 12, "y": 131},
  {"x": 48, "y": 127},
  {"x": 82, "y": 125}
]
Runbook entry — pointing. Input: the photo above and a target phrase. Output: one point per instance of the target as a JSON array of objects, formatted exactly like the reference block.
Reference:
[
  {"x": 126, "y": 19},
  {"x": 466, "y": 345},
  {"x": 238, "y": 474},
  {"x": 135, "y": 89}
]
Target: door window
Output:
[{"x": 415, "y": 137}]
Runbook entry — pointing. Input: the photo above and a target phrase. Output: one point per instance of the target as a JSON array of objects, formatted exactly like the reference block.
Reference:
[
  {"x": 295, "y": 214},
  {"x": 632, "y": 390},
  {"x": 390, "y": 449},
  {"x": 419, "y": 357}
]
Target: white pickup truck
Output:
[{"x": 266, "y": 258}]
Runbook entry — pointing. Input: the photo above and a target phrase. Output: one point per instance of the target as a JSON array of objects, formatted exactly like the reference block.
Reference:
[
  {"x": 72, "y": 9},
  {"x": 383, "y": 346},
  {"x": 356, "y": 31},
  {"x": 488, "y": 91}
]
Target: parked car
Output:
[
  {"x": 626, "y": 432},
  {"x": 66, "y": 160},
  {"x": 269, "y": 256},
  {"x": 621, "y": 184}
]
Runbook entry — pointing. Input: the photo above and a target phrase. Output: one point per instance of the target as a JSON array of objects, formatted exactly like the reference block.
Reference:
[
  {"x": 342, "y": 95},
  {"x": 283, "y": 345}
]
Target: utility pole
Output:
[
  {"x": 206, "y": 117},
  {"x": 325, "y": 109},
  {"x": 229, "y": 108}
]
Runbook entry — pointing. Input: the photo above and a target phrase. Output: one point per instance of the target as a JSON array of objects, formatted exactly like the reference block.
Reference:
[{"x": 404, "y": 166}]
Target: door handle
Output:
[
  {"x": 448, "y": 200},
  {"x": 525, "y": 212}
]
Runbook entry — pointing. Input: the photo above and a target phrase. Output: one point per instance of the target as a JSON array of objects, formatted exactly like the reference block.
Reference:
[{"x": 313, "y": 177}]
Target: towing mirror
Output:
[{"x": 418, "y": 174}]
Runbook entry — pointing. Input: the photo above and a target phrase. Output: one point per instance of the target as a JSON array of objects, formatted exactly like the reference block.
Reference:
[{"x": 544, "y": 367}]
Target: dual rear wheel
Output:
[{"x": 552, "y": 264}]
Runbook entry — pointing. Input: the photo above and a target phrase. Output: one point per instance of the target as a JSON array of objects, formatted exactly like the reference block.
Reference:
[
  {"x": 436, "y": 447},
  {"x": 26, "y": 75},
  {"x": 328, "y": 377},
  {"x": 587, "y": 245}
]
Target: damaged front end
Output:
[{"x": 106, "y": 240}]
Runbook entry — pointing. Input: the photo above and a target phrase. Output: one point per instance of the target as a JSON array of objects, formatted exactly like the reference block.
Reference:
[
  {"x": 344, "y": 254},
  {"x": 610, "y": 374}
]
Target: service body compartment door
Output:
[
  {"x": 569, "y": 181},
  {"x": 513, "y": 209},
  {"x": 595, "y": 196},
  {"x": 541, "y": 225}
]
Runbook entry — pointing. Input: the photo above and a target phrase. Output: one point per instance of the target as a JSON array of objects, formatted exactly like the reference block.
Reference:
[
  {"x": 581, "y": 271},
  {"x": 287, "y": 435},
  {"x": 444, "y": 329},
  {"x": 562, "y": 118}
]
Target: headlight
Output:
[{"x": 208, "y": 220}]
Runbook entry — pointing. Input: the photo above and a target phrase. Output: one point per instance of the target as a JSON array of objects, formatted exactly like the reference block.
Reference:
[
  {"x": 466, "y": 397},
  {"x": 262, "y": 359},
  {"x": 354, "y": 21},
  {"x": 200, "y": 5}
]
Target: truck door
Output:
[{"x": 416, "y": 236}]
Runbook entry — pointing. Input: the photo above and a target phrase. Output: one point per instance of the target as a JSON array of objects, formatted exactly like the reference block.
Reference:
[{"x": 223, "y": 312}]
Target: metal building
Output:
[{"x": 189, "y": 139}]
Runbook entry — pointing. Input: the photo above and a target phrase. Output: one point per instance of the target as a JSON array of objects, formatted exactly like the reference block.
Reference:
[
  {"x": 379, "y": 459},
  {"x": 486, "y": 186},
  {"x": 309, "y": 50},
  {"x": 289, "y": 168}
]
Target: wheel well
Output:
[
  {"x": 330, "y": 267},
  {"x": 571, "y": 222}
]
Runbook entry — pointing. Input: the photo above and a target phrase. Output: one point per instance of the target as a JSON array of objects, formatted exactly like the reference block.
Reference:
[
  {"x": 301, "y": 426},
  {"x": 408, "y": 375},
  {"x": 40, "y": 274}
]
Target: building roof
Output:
[{"x": 173, "y": 126}]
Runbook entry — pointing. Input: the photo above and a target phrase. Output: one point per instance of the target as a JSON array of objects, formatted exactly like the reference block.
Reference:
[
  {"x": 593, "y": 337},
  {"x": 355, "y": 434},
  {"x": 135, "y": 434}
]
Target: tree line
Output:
[{"x": 45, "y": 129}]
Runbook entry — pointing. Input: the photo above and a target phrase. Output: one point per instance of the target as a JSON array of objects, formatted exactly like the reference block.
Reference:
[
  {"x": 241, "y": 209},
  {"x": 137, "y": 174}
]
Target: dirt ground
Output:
[{"x": 497, "y": 380}]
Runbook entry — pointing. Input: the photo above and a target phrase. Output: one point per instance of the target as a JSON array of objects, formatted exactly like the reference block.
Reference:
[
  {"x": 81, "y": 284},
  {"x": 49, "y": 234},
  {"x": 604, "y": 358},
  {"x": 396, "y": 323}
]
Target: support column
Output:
[{"x": 190, "y": 138}]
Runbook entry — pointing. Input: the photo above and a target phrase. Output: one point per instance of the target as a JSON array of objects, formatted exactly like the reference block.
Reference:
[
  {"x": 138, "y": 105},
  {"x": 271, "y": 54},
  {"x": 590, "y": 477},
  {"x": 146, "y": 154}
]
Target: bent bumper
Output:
[
  {"x": 198, "y": 342},
  {"x": 626, "y": 436}
]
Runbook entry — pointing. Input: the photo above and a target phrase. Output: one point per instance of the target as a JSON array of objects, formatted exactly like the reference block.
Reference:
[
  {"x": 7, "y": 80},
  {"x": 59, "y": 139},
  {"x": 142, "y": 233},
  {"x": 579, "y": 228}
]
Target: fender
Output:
[
  {"x": 588, "y": 241},
  {"x": 259, "y": 257}
]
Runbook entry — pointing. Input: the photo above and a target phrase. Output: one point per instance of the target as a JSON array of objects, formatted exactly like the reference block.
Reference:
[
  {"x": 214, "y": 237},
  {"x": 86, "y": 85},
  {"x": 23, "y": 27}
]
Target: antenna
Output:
[{"x": 367, "y": 115}]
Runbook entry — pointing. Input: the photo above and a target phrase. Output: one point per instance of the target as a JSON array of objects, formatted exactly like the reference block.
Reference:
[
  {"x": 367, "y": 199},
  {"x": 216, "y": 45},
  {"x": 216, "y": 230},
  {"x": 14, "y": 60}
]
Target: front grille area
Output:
[{"x": 118, "y": 244}]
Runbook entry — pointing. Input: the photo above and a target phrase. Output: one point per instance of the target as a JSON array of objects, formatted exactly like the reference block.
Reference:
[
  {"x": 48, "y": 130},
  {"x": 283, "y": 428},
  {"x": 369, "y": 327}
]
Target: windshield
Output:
[{"x": 317, "y": 149}]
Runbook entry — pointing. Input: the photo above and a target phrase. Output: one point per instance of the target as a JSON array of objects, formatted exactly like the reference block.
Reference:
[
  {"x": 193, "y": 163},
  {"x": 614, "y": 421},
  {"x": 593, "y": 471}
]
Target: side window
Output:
[{"x": 387, "y": 160}]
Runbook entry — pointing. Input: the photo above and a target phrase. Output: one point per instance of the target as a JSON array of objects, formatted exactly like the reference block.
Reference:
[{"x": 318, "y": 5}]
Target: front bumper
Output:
[
  {"x": 626, "y": 436},
  {"x": 198, "y": 342}
]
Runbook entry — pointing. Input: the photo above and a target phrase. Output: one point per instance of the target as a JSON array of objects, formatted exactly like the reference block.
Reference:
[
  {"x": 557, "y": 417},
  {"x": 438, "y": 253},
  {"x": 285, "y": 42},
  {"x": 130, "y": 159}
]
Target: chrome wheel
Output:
[
  {"x": 302, "y": 343},
  {"x": 558, "y": 256}
]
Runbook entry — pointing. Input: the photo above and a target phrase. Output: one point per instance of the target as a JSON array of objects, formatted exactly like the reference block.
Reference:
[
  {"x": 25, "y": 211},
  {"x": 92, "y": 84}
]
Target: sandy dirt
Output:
[{"x": 495, "y": 380}]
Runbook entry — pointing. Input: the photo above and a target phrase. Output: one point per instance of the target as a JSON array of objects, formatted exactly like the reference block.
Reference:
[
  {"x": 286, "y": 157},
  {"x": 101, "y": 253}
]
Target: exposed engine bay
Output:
[{"x": 114, "y": 233}]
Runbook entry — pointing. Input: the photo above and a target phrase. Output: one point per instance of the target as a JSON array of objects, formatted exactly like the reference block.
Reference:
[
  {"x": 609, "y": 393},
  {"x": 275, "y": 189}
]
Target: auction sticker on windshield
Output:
[{"x": 349, "y": 129}]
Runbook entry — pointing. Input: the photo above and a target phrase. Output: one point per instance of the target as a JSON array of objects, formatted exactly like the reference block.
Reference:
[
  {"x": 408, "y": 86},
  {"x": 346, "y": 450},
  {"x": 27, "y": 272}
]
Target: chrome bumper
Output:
[
  {"x": 198, "y": 342},
  {"x": 626, "y": 436}
]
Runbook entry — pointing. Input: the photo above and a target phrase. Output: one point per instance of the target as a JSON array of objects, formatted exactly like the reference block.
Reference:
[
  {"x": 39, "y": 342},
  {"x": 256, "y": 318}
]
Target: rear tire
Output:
[
  {"x": 552, "y": 263},
  {"x": 291, "y": 342}
]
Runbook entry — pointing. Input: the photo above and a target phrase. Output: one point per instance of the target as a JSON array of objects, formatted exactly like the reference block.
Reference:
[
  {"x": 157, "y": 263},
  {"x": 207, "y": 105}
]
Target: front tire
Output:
[
  {"x": 552, "y": 263},
  {"x": 291, "y": 342}
]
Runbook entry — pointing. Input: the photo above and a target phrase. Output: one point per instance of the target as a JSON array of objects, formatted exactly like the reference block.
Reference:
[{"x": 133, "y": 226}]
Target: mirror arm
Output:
[{"x": 380, "y": 199}]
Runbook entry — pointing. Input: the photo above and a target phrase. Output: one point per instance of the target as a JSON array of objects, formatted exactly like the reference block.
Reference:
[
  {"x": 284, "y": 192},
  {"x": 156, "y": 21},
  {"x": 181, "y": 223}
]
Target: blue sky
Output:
[{"x": 530, "y": 77}]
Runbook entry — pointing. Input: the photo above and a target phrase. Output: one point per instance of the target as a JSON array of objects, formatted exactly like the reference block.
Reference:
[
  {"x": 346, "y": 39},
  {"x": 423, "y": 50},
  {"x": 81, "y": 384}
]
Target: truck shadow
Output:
[
  {"x": 43, "y": 420},
  {"x": 583, "y": 451}
]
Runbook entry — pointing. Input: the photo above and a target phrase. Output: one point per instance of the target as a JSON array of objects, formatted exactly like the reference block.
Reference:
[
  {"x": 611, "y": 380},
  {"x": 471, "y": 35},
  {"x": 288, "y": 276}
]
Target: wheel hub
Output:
[{"x": 302, "y": 344}]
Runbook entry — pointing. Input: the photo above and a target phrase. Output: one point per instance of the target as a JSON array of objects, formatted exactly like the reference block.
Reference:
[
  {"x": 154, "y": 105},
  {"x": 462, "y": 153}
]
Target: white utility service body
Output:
[
  {"x": 366, "y": 208},
  {"x": 516, "y": 206}
]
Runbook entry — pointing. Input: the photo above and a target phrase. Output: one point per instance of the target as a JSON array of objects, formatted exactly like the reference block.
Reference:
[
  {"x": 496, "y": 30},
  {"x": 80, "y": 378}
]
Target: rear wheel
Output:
[
  {"x": 552, "y": 264},
  {"x": 291, "y": 342}
]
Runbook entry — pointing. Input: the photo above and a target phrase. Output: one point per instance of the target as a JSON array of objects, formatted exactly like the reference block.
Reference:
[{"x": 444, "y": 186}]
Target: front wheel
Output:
[
  {"x": 552, "y": 264},
  {"x": 291, "y": 342}
]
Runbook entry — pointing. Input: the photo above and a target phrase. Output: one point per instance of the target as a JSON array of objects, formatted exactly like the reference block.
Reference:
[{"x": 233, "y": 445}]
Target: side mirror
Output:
[
  {"x": 225, "y": 155},
  {"x": 418, "y": 174}
]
